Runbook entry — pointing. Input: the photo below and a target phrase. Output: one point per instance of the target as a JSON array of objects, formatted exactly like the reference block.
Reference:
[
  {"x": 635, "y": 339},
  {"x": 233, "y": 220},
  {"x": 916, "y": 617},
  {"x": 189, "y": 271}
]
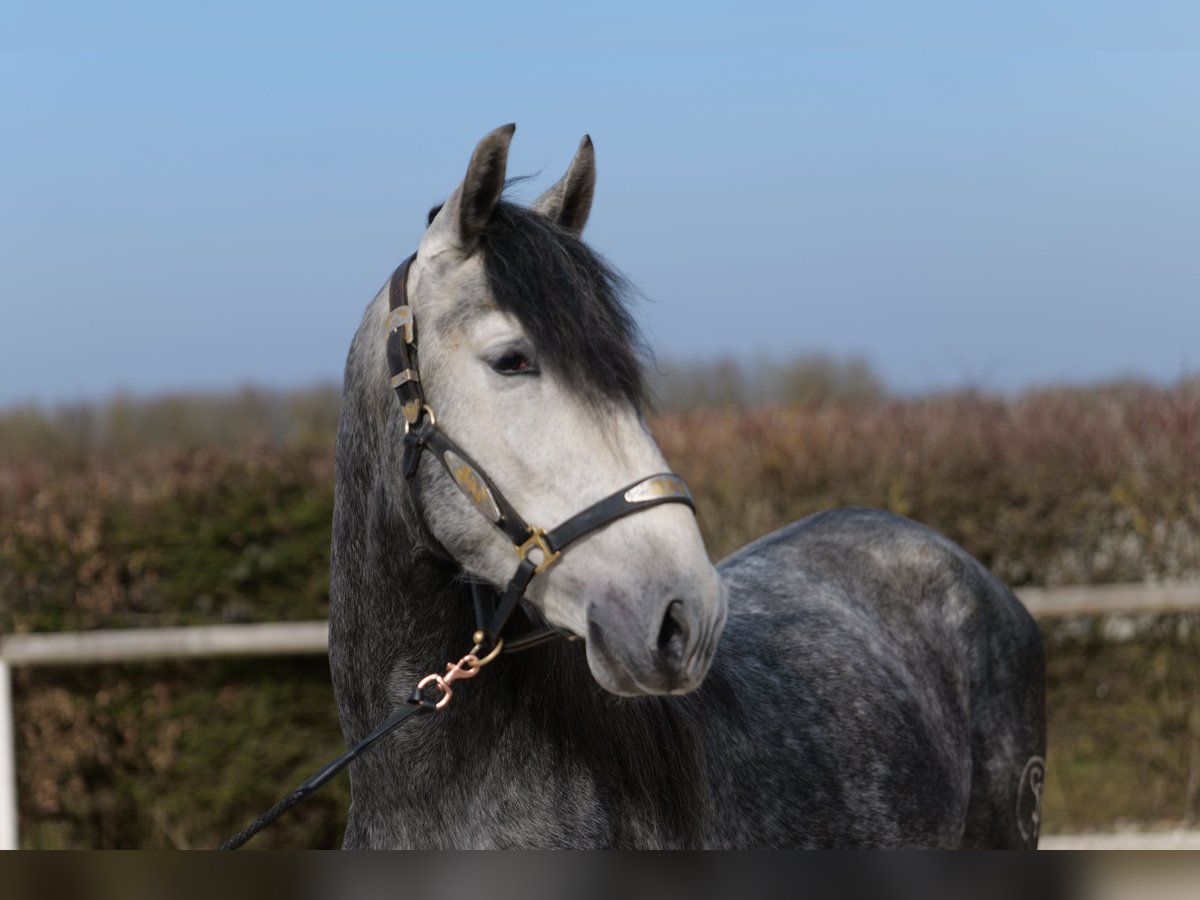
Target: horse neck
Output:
[
  {"x": 396, "y": 610},
  {"x": 399, "y": 612}
]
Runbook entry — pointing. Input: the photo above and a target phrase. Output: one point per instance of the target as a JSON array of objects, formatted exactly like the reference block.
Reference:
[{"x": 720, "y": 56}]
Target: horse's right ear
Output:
[
  {"x": 569, "y": 201},
  {"x": 470, "y": 207}
]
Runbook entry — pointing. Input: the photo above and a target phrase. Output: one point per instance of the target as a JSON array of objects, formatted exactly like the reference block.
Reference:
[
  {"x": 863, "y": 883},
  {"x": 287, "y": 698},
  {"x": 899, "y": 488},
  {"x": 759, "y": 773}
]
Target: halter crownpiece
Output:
[
  {"x": 402, "y": 346},
  {"x": 537, "y": 548}
]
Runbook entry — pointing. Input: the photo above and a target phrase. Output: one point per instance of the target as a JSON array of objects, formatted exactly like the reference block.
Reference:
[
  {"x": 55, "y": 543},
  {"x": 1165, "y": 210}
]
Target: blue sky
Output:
[{"x": 207, "y": 196}]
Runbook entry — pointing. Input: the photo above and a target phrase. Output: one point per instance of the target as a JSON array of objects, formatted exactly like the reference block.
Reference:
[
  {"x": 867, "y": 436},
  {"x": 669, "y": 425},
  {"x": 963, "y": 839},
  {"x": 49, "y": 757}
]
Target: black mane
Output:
[{"x": 570, "y": 302}]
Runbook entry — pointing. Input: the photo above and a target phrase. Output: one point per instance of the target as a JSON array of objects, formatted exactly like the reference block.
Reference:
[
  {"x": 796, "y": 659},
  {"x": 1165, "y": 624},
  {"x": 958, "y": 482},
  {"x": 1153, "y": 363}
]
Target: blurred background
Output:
[{"x": 938, "y": 260}]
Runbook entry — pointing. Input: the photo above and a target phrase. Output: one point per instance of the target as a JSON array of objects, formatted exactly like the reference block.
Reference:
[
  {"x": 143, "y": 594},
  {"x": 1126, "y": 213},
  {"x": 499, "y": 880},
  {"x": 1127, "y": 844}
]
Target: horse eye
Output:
[{"x": 514, "y": 362}]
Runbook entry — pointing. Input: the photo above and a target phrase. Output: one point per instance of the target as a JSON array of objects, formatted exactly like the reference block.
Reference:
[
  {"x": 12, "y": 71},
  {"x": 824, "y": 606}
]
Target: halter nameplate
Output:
[{"x": 657, "y": 487}]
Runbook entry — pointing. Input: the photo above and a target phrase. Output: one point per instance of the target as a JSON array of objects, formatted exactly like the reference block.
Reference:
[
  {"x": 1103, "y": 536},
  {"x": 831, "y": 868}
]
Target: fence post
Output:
[{"x": 8, "y": 763}]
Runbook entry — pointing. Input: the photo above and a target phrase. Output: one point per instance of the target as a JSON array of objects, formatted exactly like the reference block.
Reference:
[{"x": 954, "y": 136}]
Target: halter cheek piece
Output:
[{"x": 537, "y": 549}]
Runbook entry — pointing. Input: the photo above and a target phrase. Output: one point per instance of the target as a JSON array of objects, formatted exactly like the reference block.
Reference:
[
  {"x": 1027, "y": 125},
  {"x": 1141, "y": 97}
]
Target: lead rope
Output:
[
  {"x": 318, "y": 779},
  {"x": 417, "y": 704}
]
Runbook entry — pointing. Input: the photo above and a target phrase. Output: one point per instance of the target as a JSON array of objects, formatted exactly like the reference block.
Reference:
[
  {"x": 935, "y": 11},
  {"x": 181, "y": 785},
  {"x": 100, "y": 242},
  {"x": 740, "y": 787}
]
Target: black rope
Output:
[
  {"x": 417, "y": 704},
  {"x": 486, "y": 602}
]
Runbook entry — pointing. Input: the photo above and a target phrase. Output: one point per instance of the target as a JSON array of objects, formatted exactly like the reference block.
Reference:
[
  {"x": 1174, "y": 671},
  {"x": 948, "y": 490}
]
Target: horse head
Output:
[{"x": 530, "y": 359}]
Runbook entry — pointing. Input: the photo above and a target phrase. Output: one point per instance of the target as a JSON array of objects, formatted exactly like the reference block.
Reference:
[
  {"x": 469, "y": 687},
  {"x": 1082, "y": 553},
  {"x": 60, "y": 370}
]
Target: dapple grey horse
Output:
[{"x": 851, "y": 680}]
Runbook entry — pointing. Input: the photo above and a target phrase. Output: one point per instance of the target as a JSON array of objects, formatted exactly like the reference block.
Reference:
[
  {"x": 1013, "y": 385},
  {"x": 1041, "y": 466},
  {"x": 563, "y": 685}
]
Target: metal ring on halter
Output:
[
  {"x": 480, "y": 662},
  {"x": 428, "y": 410},
  {"x": 538, "y": 542}
]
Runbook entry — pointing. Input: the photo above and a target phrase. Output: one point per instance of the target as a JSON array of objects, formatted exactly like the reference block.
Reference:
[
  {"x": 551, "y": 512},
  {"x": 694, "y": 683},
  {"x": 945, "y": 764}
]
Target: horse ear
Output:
[
  {"x": 569, "y": 202},
  {"x": 470, "y": 206}
]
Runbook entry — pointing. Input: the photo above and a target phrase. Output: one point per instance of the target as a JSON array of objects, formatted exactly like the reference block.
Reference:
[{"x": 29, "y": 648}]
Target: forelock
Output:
[{"x": 570, "y": 302}]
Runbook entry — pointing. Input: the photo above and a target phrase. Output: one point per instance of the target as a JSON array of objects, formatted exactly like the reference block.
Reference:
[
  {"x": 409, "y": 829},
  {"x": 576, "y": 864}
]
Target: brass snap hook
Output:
[{"x": 467, "y": 667}]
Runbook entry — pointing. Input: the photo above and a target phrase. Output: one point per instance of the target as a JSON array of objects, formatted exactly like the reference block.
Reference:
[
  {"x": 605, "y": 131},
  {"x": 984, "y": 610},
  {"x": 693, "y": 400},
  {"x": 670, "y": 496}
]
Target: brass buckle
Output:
[{"x": 537, "y": 541}]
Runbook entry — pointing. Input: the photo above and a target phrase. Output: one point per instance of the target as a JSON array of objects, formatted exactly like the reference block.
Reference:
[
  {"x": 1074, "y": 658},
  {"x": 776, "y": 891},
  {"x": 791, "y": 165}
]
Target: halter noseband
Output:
[{"x": 537, "y": 549}]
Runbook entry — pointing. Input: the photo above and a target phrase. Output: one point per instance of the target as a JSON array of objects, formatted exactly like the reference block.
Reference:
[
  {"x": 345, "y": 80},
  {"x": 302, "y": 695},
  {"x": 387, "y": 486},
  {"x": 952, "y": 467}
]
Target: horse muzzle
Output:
[{"x": 662, "y": 648}]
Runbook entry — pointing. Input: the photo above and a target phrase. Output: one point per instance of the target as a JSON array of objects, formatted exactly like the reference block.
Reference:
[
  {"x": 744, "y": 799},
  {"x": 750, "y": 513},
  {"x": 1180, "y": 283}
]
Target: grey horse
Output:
[{"x": 851, "y": 680}]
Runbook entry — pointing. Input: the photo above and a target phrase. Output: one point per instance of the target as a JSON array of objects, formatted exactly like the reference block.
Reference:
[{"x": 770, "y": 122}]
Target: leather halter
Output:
[{"x": 537, "y": 548}]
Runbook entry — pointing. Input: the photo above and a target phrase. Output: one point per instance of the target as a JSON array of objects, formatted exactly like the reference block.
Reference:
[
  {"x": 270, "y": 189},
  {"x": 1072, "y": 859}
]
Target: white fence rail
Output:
[
  {"x": 73, "y": 648},
  {"x": 131, "y": 645},
  {"x": 311, "y": 638},
  {"x": 1111, "y": 599}
]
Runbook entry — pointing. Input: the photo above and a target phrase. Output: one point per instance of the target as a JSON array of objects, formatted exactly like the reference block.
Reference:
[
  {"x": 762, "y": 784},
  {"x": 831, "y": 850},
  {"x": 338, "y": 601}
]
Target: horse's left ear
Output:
[{"x": 569, "y": 202}]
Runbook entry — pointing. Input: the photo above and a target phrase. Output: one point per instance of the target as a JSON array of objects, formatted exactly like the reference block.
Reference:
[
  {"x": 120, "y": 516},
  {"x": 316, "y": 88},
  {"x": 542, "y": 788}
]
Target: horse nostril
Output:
[{"x": 673, "y": 636}]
